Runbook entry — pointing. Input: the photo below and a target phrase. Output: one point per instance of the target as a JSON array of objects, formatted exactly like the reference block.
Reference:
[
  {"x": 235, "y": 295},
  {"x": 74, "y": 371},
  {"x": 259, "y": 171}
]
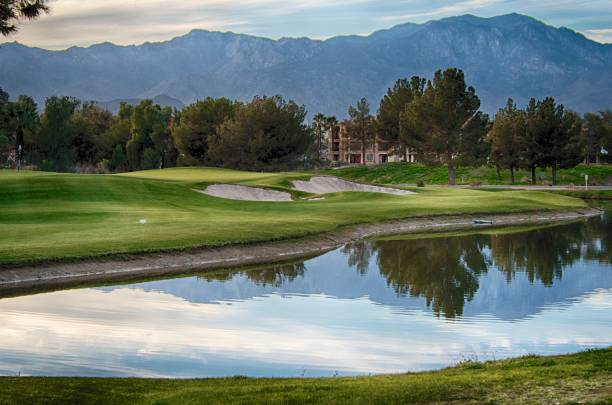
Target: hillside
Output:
[{"x": 510, "y": 55}]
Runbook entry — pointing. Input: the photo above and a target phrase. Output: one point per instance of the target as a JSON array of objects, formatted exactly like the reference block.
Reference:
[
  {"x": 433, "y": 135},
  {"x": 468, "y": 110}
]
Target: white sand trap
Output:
[
  {"x": 243, "y": 193},
  {"x": 325, "y": 185}
]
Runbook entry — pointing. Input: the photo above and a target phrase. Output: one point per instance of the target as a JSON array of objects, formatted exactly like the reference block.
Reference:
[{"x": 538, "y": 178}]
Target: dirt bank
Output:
[{"x": 54, "y": 275}]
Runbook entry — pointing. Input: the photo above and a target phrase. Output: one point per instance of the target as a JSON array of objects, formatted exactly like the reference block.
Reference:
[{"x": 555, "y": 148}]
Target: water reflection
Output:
[
  {"x": 499, "y": 293},
  {"x": 445, "y": 271}
]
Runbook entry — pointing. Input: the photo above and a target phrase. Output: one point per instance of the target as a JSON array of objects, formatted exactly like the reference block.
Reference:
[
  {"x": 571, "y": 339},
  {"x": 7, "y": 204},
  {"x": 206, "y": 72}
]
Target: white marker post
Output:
[{"x": 586, "y": 181}]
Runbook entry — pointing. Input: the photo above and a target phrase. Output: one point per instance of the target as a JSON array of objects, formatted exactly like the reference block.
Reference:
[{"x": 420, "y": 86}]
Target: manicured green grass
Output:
[
  {"x": 579, "y": 378},
  {"x": 59, "y": 216},
  {"x": 402, "y": 173}
]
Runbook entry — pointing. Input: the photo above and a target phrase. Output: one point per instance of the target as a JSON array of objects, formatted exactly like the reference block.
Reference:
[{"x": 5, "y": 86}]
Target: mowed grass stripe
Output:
[{"x": 53, "y": 216}]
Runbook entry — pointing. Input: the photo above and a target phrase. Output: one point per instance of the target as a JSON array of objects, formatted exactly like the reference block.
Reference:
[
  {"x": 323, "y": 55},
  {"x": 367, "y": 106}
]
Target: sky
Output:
[{"x": 86, "y": 22}]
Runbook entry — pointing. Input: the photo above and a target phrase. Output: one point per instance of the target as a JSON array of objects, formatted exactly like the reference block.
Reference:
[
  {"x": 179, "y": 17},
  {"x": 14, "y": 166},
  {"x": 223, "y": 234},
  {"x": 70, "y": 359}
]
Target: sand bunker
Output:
[
  {"x": 325, "y": 185},
  {"x": 235, "y": 192}
]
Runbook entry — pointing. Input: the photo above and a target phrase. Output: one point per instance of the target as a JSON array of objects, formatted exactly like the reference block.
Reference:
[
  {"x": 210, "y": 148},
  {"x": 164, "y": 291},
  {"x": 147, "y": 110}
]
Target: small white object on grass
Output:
[{"x": 142, "y": 221}]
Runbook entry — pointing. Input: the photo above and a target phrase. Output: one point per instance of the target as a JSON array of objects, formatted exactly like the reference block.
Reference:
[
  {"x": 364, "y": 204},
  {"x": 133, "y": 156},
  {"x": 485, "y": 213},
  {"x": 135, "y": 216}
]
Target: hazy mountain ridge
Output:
[{"x": 510, "y": 55}]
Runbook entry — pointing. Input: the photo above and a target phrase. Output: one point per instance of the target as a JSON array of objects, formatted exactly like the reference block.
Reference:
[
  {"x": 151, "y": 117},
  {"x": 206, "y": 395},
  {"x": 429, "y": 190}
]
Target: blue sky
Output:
[{"x": 84, "y": 22}]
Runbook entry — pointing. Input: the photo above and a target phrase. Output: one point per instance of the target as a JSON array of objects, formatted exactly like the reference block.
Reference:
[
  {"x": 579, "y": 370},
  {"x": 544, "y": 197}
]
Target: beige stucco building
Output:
[{"x": 342, "y": 149}]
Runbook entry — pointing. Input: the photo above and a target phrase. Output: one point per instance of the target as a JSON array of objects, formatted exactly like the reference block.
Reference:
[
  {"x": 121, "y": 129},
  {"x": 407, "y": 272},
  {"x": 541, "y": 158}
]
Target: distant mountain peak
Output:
[{"x": 510, "y": 55}]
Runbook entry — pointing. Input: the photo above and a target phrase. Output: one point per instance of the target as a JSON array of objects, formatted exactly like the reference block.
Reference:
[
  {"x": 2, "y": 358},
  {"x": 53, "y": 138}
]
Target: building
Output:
[{"x": 342, "y": 149}]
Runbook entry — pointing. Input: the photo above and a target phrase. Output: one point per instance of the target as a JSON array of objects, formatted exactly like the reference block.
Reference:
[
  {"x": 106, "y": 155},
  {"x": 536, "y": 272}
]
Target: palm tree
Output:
[
  {"x": 23, "y": 116},
  {"x": 318, "y": 123},
  {"x": 331, "y": 123}
]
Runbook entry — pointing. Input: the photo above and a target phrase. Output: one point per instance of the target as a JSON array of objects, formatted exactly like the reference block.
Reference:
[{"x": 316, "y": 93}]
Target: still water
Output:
[{"x": 370, "y": 307}]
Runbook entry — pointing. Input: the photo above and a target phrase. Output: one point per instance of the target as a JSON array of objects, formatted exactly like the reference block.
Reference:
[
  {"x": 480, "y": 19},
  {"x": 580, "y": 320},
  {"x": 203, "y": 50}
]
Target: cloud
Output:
[
  {"x": 450, "y": 9},
  {"x": 600, "y": 35},
  {"x": 85, "y": 22}
]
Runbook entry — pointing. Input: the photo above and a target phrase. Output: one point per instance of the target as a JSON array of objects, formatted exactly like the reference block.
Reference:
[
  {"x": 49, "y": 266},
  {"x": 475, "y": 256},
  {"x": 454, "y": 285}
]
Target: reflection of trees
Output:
[
  {"x": 274, "y": 275},
  {"x": 543, "y": 253},
  {"x": 444, "y": 271},
  {"x": 277, "y": 275},
  {"x": 358, "y": 254},
  {"x": 597, "y": 235}
]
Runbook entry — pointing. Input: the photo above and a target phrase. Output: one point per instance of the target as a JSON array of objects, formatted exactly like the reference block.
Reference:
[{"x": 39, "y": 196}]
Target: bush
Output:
[
  {"x": 420, "y": 183},
  {"x": 150, "y": 159}
]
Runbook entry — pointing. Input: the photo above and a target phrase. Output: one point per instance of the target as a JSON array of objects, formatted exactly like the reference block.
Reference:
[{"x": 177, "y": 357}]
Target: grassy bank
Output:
[
  {"x": 45, "y": 216},
  {"x": 579, "y": 378},
  {"x": 402, "y": 173}
]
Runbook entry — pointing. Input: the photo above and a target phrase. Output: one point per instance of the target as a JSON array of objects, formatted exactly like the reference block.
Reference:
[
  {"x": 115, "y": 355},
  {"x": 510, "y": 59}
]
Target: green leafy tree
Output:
[
  {"x": 507, "y": 136},
  {"x": 118, "y": 133},
  {"x": 118, "y": 160},
  {"x": 57, "y": 132},
  {"x": 391, "y": 107},
  {"x": 150, "y": 159},
  {"x": 198, "y": 123},
  {"x": 266, "y": 134},
  {"x": 361, "y": 126},
  {"x": 91, "y": 123},
  {"x": 14, "y": 11},
  {"x": 437, "y": 120},
  {"x": 150, "y": 129}
]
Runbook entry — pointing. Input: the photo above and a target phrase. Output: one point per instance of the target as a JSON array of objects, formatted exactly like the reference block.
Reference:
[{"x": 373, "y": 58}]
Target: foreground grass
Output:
[
  {"x": 402, "y": 173},
  {"x": 67, "y": 216},
  {"x": 579, "y": 378}
]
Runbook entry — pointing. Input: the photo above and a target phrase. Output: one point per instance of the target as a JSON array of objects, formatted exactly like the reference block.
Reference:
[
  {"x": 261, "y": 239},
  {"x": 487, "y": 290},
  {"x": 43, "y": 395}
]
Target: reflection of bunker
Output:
[
  {"x": 325, "y": 185},
  {"x": 236, "y": 192}
]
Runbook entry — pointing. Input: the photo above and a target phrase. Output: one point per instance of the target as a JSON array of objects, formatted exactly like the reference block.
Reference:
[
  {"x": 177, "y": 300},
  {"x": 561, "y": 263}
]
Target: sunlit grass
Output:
[
  {"x": 44, "y": 216},
  {"x": 578, "y": 378}
]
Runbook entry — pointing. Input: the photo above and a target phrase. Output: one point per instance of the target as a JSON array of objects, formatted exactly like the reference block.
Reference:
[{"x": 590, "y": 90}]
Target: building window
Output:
[
  {"x": 369, "y": 157},
  {"x": 383, "y": 158}
]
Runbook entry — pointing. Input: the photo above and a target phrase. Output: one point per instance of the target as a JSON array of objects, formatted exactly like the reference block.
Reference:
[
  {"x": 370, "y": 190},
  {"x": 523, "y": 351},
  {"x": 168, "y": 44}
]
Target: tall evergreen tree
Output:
[
  {"x": 14, "y": 11},
  {"x": 361, "y": 126},
  {"x": 439, "y": 118},
  {"x": 391, "y": 107},
  {"x": 506, "y": 137}
]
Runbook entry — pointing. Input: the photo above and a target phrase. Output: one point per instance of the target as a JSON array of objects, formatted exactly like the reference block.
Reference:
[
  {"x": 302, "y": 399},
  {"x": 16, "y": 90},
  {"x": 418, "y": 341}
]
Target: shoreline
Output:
[{"x": 134, "y": 266}]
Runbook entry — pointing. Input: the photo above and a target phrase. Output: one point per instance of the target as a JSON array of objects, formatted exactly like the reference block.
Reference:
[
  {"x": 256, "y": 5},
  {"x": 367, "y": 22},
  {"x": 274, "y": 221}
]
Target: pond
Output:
[{"x": 384, "y": 306}]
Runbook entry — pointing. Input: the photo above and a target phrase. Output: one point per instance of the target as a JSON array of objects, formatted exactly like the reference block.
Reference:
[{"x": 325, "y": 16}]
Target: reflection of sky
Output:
[
  {"x": 131, "y": 332},
  {"x": 329, "y": 318},
  {"x": 331, "y": 275}
]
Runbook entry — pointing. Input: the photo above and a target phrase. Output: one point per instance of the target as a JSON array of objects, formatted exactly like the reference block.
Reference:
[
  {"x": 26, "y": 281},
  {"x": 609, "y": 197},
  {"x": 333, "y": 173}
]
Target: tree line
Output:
[
  {"x": 267, "y": 133},
  {"x": 439, "y": 120}
]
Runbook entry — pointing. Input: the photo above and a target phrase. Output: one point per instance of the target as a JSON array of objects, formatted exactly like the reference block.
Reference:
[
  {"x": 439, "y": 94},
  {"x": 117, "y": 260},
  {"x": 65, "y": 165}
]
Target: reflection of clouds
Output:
[{"x": 133, "y": 332}]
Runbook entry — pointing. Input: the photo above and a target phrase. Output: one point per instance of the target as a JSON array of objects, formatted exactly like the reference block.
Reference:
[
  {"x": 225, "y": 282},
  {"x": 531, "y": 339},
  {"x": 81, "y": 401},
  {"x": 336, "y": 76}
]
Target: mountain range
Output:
[{"x": 506, "y": 56}]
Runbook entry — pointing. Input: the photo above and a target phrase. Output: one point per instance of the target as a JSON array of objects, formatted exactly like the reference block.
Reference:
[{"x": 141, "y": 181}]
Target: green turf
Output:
[
  {"x": 402, "y": 173},
  {"x": 579, "y": 378},
  {"x": 58, "y": 216}
]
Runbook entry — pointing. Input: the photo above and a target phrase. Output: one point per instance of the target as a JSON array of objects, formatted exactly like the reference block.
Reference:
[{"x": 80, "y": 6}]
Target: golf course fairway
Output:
[{"x": 51, "y": 216}]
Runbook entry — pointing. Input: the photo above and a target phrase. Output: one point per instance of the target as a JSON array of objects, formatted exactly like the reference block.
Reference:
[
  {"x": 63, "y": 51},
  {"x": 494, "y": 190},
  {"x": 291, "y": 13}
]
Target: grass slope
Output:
[
  {"x": 402, "y": 173},
  {"x": 579, "y": 378},
  {"x": 46, "y": 216}
]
